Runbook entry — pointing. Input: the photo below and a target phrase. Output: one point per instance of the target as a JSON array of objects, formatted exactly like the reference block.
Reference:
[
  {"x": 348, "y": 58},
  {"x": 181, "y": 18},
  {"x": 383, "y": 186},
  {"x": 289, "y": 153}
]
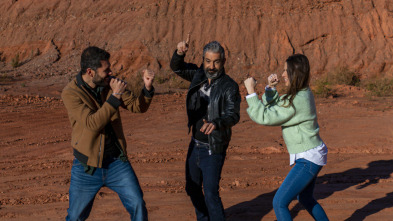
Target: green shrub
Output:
[
  {"x": 344, "y": 76},
  {"x": 323, "y": 88},
  {"x": 161, "y": 78},
  {"x": 34, "y": 53},
  {"x": 15, "y": 61},
  {"x": 338, "y": 76},
  {"x": 380, "y": 87}
]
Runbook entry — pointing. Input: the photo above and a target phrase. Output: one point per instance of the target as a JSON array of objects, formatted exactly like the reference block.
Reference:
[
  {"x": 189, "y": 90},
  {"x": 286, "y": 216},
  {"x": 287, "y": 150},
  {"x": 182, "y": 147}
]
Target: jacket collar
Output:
[
  {"x": 83, "y": 85},
  {"x": 79, "y": 79}
]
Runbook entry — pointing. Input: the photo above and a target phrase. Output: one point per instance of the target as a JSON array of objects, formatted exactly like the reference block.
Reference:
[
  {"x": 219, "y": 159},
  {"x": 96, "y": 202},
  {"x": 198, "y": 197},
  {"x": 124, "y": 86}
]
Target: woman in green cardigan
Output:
[{"x": 295, "y": 112}]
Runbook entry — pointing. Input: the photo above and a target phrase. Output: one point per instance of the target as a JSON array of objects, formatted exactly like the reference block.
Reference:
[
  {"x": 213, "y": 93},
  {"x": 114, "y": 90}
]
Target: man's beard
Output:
[
  {"x": 98, "y": 81},
  {"x": 213, "y": 73}
]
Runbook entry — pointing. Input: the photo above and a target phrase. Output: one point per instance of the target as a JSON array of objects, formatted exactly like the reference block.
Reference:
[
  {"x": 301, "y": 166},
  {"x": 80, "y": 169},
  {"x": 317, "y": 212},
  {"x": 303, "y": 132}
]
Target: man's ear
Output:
[
  {"x": 223, "y": 61},
  {"x": 90, "y": 72}
]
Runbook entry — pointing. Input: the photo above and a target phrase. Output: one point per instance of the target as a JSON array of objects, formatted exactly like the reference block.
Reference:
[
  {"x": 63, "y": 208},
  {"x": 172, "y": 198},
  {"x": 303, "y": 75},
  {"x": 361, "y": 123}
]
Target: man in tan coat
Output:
[{"x": 92, "y": 101}]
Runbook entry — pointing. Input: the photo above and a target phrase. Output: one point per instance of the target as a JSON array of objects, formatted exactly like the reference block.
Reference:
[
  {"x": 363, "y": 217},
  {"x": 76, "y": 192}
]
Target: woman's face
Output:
[{"x": 285, "y": 75}]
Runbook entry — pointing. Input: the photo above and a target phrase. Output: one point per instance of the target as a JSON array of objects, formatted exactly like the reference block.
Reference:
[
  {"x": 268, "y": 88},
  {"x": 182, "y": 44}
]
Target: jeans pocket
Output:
[{"x": 311, "y": 167}]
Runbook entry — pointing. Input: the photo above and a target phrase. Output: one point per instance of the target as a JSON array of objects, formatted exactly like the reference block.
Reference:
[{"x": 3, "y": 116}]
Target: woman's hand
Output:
[
  {"x": 272, "y": 80},
  {"x": 250, "y": 84}
]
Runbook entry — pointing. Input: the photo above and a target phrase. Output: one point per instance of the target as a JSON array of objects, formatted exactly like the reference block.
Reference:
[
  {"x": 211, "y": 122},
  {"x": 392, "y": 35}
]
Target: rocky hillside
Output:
[{"x": 258, "y": 35}]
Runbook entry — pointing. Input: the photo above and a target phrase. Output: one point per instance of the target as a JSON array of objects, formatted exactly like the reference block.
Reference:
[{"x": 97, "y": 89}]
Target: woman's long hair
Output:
[{"x": 298, "y": 69}]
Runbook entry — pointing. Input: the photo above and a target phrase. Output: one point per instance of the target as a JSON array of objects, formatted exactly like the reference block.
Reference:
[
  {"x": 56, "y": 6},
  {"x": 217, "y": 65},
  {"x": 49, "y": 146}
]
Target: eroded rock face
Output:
[{"x": 258, "y": 35}]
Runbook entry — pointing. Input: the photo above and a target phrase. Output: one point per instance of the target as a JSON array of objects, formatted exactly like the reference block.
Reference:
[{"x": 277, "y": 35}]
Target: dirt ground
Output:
[
  {"x": 356, "y": 184},
  {"x": 40, "y": 47}
]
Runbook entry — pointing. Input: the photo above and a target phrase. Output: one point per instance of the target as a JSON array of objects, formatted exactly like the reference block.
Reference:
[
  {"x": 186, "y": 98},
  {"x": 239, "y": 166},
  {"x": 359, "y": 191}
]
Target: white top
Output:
[
  {"x": 251, "y": 95},
  {"x": 267, "y": 88},
  {"x": 317, "y": 155}
]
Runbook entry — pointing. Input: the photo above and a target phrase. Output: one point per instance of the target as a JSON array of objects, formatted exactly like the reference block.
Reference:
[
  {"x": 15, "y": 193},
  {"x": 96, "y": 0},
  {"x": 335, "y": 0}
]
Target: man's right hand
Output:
[
  {"x": 118, "y": 87},
  {"x": 182, "y": 47}
]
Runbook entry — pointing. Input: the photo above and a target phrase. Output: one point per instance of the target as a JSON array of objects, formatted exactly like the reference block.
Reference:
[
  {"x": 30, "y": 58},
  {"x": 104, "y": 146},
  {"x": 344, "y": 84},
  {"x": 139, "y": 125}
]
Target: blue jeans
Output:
[
  {"x": 300, "y": 183},
  {"x": 116, "y": 175},
  {"x": 204, "y": 169}
]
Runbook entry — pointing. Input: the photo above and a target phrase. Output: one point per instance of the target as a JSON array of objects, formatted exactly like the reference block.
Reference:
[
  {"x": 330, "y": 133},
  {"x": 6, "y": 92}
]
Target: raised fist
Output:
[
  {"x": 182, "y": 47},
  {"x": 272, "y": 80},
  {"x": 250, "y": 84},
  {"x": 148, "y": 78}
]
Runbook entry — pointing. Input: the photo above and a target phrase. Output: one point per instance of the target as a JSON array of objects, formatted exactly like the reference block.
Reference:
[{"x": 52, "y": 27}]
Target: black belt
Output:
[{"x": 200, "y": 144}]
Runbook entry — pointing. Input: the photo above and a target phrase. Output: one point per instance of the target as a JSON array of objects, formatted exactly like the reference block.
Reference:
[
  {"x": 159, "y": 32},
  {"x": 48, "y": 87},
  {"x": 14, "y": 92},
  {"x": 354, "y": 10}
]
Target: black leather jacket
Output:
[{"x": 224, "y": 107}]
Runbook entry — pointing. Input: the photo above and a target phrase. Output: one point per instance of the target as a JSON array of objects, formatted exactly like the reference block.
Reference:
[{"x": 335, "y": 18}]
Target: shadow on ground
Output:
[{"x": 327, "y": 184}]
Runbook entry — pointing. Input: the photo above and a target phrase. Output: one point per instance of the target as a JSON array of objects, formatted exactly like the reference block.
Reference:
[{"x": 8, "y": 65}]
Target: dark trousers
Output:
[{"x": 203, "y": 170}]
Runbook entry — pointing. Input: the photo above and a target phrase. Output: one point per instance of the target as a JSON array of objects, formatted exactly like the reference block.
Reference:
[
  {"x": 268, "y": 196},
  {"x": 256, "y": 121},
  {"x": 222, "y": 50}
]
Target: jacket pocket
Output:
[{"x": 77, "y": 138}]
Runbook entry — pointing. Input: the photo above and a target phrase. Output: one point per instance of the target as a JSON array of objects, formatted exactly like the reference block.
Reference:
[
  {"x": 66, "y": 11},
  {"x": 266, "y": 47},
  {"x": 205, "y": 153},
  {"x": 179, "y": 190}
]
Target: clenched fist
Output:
[
  {"x": 273, "y": 80},
  {"x": 250, "y": 84},
  {"x": 118, "y": 87},
  {"x": 148, "y": 78}
]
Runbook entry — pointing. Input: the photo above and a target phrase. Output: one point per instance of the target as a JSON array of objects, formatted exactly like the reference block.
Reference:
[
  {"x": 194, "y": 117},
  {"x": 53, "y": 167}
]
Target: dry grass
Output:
[
  {"x": 381, "y": 87},
  {"x": 15, "y": 61},
  {"x": 323, "y": 88},
  {"x": 4, "y": 78},
  {"x": 178, "y": 82},
  {"x": 163, "y": 77},
  {"x": 135, "y": 84},
  {"x": 344, "y": 76},
  {"x": 338, "y": 76}
]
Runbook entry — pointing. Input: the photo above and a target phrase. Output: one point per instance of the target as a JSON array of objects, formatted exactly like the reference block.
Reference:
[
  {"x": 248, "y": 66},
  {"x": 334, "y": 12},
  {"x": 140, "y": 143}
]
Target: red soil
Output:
[{"x": 36, "y": 158}]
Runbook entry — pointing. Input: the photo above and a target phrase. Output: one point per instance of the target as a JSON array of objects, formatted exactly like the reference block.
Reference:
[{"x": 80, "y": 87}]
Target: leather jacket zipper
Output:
[{"x": 208, "y": 119}]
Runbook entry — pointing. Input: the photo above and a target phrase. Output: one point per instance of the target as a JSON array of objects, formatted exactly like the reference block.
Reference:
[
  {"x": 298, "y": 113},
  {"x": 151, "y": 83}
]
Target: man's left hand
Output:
[
  {"x": 207, "y": 127},
  {"x": 148, "y": 78}
]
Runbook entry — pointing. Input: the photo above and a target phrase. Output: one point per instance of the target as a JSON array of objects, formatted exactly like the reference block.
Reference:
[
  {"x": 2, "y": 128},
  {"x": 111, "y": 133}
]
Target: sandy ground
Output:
[{"x": 356, "y": 184}]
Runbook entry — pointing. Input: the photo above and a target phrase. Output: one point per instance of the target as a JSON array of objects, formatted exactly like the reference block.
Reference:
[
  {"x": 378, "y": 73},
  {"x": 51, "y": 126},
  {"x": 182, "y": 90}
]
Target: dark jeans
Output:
[
  {"x": 204, "y": 169},
  {"x": 300, "y": 183},
  {"x": 116, "y": 175}
]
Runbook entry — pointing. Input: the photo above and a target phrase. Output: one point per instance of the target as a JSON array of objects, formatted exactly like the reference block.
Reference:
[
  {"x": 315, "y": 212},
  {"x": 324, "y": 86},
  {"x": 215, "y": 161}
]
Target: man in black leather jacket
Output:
[{"x": 213, "y": 106}]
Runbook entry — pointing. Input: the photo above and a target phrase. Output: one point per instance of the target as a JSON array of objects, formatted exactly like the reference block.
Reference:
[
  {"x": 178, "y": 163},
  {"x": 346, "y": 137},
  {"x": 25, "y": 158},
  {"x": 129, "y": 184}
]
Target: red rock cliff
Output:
[{"x": 257, "y": 34}]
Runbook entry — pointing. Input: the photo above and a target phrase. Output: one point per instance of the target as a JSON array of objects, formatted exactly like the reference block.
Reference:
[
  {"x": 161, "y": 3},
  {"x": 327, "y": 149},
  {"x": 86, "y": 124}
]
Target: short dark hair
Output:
[
  {"x": 214, "y": 47},
  {"x": 91, "y": 58}
]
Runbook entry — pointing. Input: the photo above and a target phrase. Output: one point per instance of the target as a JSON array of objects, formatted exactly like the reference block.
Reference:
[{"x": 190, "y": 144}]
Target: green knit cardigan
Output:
[{"x": 298, "y": 122}]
